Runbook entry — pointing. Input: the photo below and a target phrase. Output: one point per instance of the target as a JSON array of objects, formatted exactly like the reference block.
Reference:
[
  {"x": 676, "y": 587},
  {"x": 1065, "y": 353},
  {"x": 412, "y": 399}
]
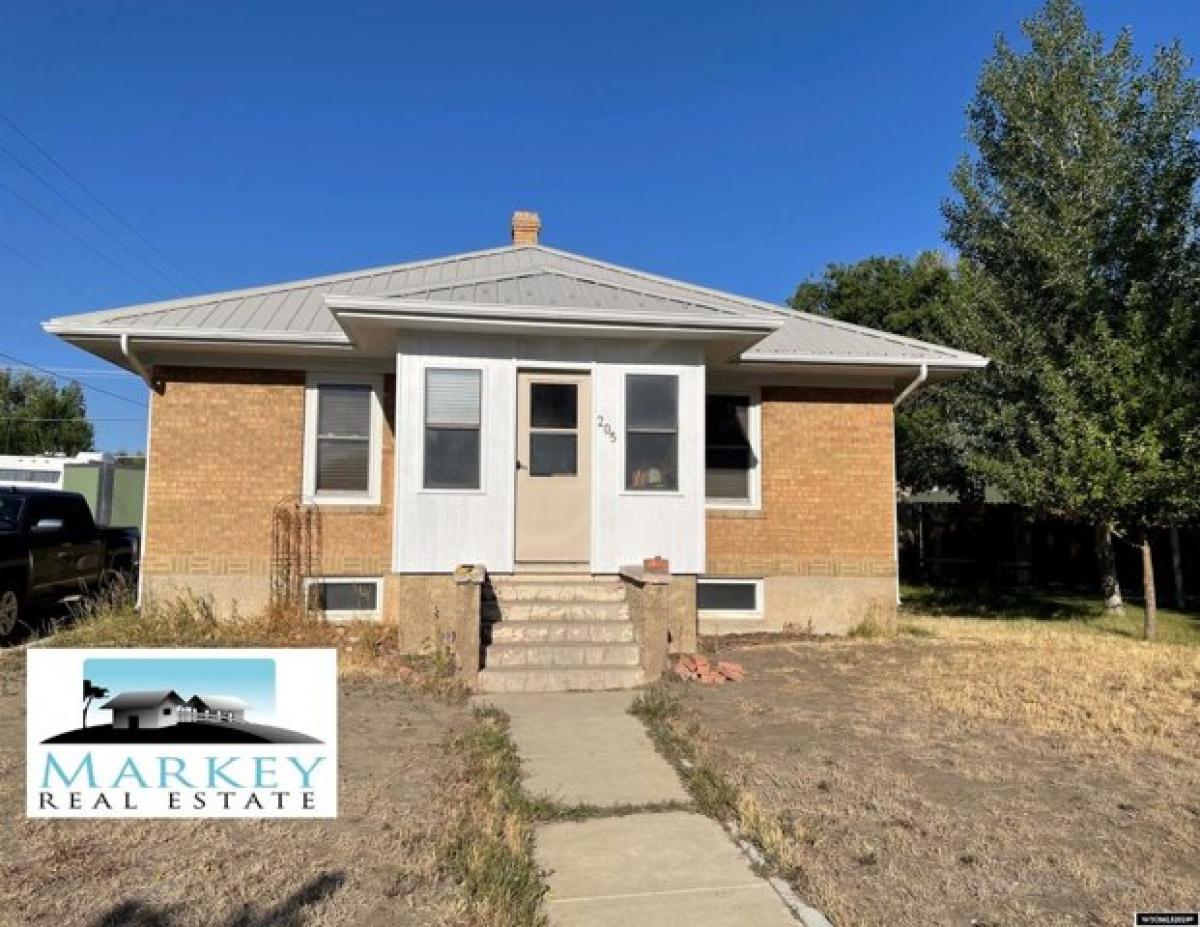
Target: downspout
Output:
[
  {"x": 917, "y": 381},
  {"x": 135, "y": 362}
]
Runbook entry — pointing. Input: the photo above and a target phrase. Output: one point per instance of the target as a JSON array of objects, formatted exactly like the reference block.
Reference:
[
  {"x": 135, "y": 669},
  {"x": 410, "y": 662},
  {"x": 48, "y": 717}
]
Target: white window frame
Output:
[
  {"x": 754, "y": 423},
  {"x": 375, "y": 614},
  {"x": 422, "y": 489},
  {"x": 313, "y": 383},
  {"x": 677, "y": 376},
  {"x": 722, "y": 613}
]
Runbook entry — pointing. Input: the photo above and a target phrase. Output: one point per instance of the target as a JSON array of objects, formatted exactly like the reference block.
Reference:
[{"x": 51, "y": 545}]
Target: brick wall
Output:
[
  {"x": 226, "y": 446},
  {"x": 828, "y": 504}
]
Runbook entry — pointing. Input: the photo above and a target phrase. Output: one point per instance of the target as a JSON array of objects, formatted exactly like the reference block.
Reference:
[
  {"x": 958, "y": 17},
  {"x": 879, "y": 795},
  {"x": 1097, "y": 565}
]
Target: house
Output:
[
  {"x": 546, "y": 421},
  {"x": 216, "y": 708},
  {"x": 144, "y": 709}
]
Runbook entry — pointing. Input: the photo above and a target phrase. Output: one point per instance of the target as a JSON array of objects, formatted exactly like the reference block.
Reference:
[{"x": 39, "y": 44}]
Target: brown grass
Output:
[
  {"x": 961, "y": 772},
  {"x": 366, "y": 650},
  {"x": 1083, "y": 688},
  {"x": 377, "y": 863}
]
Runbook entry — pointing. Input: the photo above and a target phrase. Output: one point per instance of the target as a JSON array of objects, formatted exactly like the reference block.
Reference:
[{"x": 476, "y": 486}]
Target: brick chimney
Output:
[{"x": 525, "y": 227}]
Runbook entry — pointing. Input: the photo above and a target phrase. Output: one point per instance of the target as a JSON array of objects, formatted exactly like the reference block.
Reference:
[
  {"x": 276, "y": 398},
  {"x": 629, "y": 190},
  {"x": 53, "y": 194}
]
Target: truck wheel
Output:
[{"x": 10, "y": 613}]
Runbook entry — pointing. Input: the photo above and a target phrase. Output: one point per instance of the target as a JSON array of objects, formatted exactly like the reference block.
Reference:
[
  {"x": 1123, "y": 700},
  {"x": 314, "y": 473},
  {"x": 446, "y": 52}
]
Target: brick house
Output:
[{"x": 508, "y": 436}]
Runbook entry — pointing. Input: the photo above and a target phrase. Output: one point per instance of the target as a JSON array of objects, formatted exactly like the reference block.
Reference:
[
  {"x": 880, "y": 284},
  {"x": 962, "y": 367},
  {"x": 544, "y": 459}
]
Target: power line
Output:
[
  {"x": 99, "y": 202},
  {"x": 46, "y": 270},
  {"x": 79, "y": 238},
  {"x": 79, "y": 383},
  {"x": 36, "y": 175}
]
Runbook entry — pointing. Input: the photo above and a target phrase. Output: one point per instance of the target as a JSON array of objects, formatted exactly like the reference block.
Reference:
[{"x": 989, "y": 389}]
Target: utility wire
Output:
[
  {"x": 121, "y": 243},
  {"x": 79, "y": 383},
  {"x": 29, "y": 204},
  {"x": 99, "y": 202},
  {"x": 46, "y": 270}
]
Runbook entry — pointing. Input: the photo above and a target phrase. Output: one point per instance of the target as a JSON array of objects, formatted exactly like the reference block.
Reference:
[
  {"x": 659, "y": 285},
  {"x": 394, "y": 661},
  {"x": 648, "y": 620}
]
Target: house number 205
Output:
[{"x": 603, "y": 424}]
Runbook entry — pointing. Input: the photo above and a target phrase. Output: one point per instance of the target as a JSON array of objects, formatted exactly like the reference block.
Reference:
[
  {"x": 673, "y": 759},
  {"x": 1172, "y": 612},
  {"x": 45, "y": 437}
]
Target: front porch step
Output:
[
  {"x": 507, "y": 591},
  {"x": 554, "y": 610},
  {"x": 561, "y": 655},
  {"x": 559, "y": 679},
  {"x": 575, "y": 631}
]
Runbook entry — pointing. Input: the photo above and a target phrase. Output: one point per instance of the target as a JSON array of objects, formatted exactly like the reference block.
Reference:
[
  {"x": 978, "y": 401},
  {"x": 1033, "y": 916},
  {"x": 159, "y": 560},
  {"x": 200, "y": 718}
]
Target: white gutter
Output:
[
  {"x": 920, "y": 378},
  {"x": 135, "y": 362}
]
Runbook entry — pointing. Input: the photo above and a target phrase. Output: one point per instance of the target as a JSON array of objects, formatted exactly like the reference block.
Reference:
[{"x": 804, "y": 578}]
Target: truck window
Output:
[{"x": 10, "y": 513}]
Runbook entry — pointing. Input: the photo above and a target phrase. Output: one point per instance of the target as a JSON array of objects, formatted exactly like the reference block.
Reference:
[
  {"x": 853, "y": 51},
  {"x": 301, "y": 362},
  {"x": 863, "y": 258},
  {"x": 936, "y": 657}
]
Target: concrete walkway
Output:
[{"x": 632, "y": 869}]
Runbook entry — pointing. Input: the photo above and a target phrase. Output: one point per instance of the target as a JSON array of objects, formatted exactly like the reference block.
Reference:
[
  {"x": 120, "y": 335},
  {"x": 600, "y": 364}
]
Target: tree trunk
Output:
[
  {"x": 1177, "y": 569},
  {"x": 1110, "y": 584},
  {"x": 1150, "y": 627}
]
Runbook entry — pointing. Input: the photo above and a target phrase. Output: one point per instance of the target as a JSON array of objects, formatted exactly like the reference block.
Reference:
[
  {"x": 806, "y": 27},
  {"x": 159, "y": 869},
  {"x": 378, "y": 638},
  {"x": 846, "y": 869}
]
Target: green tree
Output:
[
  {"x": 1078, "y": 210},
  {"x": 37, "y": 417},
  {"x": 921, "y": 298}
]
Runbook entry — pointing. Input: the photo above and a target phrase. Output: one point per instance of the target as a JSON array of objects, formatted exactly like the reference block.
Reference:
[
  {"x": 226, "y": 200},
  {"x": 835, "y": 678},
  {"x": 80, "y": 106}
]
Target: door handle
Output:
[{"x": 520, "y": 466}]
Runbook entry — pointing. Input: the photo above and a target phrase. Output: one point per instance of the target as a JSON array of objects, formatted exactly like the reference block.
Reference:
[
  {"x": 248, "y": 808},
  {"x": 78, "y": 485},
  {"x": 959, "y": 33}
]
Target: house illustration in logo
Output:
[
  {"x": 218, "y": 695},
  {"x": 140, "y": 710}
]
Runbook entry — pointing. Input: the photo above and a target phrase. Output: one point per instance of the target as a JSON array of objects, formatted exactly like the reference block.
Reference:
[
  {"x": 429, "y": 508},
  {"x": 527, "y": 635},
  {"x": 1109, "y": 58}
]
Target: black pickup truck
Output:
[{"x": 51, "y": 549}]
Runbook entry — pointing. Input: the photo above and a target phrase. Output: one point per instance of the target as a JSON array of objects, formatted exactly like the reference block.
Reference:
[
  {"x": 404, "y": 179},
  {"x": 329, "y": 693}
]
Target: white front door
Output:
[{"x": 553, "y": 504}]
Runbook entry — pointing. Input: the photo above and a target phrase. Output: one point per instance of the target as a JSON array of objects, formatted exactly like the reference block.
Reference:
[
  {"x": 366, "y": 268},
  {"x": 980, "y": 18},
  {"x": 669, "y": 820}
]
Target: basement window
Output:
[
  {"x": 344, "y": 598},
  {"x": 729, "y": 598}
]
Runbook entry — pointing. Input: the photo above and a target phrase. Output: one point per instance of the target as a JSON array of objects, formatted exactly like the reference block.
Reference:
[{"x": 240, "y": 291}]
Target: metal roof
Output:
[
  {"x": 218, "y": 702},
  {"x": 150, "y": 698},
  {"x": 511, "y": 278},
  {"x": 816, "y": 339}
]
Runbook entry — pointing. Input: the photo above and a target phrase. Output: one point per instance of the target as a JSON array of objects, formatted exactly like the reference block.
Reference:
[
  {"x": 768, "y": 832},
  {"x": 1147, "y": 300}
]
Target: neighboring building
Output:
[
  {"x": 216, "y": 708},
  {"x": 113, "y": 485},
  {"x": 144, "y": 709},
  {"x": 522, "y": 409}
]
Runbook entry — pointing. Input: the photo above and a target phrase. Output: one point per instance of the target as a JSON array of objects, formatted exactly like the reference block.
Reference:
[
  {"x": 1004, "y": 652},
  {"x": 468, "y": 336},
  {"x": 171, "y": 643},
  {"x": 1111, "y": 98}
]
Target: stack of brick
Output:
[{"x": 700, "y": 669}]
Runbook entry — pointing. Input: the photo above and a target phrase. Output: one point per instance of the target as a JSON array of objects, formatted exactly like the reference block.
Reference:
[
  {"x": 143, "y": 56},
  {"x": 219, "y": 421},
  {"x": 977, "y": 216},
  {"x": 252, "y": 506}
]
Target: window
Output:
[
  {"x": 343, "y": 422},
  {"x": 729, "y": 597},
  {"x": 167, "y": 712},
  {"x": 553, "y": 420},
  {"x": 344, "y": 598},
  {"x": 452, "y": 402},
  {"x": 29, "y": 476},
  {"x": 731, "y": 450},
  {"x": 652, "y": 432}
]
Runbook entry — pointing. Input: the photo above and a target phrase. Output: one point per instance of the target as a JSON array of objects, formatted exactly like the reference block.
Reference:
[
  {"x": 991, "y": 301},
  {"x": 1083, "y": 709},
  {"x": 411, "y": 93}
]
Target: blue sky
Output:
[
  {"x": 252, "y": 680},
  {"x": 743, "y": 146}
]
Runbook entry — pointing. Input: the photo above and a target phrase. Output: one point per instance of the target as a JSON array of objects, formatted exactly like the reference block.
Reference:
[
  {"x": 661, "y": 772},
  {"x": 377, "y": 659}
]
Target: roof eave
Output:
[
  {"x": 550, "y": 317},
  {"x": 964, "y": 363}
]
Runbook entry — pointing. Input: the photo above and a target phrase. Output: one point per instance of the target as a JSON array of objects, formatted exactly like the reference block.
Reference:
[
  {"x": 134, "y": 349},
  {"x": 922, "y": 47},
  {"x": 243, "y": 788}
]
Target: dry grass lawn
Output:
[
  {"x": 967, "y": 772},
  {"x": 377, "y": 863}
]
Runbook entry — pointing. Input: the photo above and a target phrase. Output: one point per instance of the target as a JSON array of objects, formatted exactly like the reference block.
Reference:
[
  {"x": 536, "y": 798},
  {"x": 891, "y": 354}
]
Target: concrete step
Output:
[
  {"x": 559, "y": 679},
  {"x": 507, "y": 591},
  {"x": 576, "y": 631},
  {"x": 556, "y": 655},
  {"x": 542, "y": 610}
]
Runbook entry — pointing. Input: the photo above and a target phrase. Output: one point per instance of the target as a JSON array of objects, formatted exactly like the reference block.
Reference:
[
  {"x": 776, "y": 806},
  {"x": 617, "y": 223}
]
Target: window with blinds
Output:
[
  {"x": 343, "y": 441},
  {"x": 452, "y": 417},
  {"x": 729, "y": 457},
  {"x": 652, "y": 432}
]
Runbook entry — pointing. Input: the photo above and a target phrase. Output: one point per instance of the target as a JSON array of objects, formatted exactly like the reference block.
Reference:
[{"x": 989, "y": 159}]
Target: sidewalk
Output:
[{"x": 633, "y": 868}]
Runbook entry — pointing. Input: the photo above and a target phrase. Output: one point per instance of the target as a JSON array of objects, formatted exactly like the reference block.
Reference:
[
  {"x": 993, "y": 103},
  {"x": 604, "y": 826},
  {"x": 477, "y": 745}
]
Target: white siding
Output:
[{"x": 438, "y": 529}]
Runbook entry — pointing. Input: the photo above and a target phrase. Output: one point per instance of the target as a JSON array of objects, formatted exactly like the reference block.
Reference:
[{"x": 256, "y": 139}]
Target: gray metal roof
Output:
[
  {"x": 529, "y": 276},
  {"x": 150, "y": 698},
  {"x": 814, "y": 338}
]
